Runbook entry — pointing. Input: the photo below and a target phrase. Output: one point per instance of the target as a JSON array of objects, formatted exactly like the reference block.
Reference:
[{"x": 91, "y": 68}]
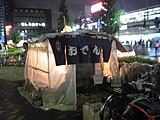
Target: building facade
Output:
[
  {"x": 140, "y": 24},
  {"x": 26, "y": 22},
  {"x": 6, "y": 17},
  {"x": 2, "y": 19},
  {"x": 29, "y": 22}
]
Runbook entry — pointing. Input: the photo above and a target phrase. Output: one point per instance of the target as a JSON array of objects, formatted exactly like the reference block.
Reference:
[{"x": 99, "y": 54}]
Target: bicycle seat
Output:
[
  {"x": 148, "y": 85},
  {"x": 151, "y": 86}
]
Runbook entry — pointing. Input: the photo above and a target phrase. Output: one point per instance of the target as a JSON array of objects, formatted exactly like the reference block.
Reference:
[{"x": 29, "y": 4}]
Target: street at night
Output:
[
  {"x": 14, "y": 107},
  {"x": 80, "y": 60}
]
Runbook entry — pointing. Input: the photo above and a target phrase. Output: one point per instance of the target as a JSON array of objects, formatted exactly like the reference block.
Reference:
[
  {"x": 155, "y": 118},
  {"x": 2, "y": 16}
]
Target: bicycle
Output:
[
  {"x": 114, "y": 106},
  {"x": 133, "y": 104}
]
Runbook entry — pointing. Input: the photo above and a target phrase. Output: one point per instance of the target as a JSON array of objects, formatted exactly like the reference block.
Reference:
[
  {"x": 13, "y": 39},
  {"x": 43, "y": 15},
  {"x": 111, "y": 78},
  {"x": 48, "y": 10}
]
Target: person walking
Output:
[{"x": 156, "y": 47}]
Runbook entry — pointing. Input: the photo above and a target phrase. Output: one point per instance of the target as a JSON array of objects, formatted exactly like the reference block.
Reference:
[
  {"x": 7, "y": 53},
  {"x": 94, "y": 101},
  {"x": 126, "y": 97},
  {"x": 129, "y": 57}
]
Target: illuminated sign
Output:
[
  {"x": 8, "y": 28},
  {"x": 1, "y": 38},
  {"x": 96, "y": 7}
]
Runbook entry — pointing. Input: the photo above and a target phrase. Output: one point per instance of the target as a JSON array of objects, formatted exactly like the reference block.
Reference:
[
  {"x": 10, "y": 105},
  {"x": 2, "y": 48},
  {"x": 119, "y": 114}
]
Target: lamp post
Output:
[{"x": 5, "y": 37}]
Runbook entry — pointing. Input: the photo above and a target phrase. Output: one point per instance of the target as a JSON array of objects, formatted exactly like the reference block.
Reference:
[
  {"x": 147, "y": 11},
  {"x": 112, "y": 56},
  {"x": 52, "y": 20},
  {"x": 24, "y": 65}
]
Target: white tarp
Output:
[{"x": 56, "y": 85}]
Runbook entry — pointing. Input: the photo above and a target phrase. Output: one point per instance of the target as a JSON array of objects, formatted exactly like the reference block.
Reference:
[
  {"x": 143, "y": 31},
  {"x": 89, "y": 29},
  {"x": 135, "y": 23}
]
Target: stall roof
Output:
[
  {"x": 45, "y": 36},
  {"x": 92, "y": 34}
]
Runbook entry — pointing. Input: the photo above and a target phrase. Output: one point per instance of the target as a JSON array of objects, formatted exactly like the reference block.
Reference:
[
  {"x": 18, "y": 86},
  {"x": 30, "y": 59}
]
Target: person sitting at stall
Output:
[{"x": 24, "y": 54}]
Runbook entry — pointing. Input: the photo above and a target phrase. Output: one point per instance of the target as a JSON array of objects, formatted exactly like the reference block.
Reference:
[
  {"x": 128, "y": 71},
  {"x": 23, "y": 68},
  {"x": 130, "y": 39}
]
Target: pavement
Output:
[
  {"x": 14, "y": 107},
  {"x": 13, "y": 73}
]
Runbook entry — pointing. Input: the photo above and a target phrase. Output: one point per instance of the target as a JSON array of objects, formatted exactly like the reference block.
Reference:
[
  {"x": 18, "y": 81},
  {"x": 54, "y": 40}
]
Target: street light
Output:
[{"x": 8, "y": 29}]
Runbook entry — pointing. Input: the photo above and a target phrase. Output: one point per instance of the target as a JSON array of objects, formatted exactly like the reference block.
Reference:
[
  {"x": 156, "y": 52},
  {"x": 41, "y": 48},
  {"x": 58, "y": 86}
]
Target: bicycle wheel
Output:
[
  {"x": 106, "y": 114},
  {"x": 114, "y": 107}
]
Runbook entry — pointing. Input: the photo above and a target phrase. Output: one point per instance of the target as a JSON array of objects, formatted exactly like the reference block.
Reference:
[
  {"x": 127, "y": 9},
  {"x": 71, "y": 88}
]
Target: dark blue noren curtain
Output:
[
  {"x": 80, "y": 49},
  {"x": 58, "y": 47},
  {"x": 72, "y": 50},
  {"x": 106, "y": 46}
]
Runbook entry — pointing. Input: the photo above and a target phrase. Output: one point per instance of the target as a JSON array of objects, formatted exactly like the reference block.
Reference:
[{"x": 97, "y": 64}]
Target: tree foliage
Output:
[
  {"x": 63, "y": 15},
  {"x": 111, "y": 18}
]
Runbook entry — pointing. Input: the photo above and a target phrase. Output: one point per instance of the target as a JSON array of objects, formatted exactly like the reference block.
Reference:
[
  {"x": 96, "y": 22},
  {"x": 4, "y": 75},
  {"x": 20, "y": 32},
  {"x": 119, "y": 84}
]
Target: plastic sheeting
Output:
[{"x": 56, "y": 84}]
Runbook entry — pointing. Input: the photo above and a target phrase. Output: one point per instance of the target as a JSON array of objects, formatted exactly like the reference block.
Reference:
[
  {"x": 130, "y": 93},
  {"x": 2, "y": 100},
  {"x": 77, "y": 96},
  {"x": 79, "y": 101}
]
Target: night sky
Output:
[{"x": 75, "y": 6}]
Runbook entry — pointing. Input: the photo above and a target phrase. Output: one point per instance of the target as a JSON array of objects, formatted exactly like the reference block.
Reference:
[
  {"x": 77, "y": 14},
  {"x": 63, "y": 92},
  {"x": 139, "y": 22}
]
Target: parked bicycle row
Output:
[{"x": 138, "y": 100}]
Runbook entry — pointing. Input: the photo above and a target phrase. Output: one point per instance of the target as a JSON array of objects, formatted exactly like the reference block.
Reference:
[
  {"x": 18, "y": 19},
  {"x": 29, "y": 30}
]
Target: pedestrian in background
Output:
[
  {"x": 24, "y": 54},
  {"x": 150, "y": 45},
  {"x": 156, "y": 47}
]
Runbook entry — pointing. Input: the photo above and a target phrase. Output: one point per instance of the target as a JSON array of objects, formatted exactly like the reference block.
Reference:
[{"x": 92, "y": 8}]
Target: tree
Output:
[
  {"x": 41, "y": 29},
  {"x": 16, "y": 38},
  {"x": 63, "y": 17},
  {"x": 111, "y": 17}
]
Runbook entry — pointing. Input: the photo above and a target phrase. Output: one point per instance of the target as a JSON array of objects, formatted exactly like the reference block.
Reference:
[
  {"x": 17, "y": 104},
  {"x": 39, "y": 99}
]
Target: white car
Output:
[
  {"x": 20, "y": 43},
  {"x": 130, "y": 51}
]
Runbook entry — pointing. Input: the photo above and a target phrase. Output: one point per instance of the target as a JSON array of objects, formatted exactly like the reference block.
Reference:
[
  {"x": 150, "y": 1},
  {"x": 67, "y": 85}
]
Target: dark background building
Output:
[
  {"x": 74, "y": 8},
  {"x": 6, "y": 8},
  {"x": 15, "y": 20},
  {"x": 9, "y": 8},
  {"x": 2, "y": 19},
  {"x": 31, "y": 22}
]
